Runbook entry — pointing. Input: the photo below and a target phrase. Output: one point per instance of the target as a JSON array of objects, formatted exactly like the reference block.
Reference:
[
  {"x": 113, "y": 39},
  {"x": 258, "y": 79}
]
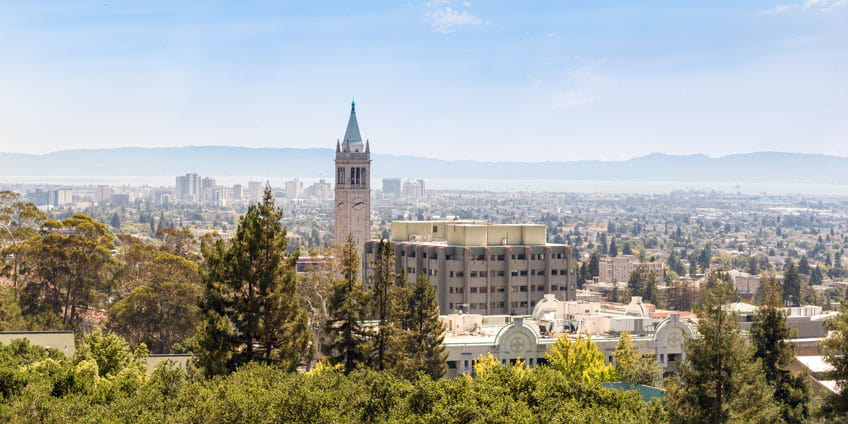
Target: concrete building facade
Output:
[
  {"x": 618, "y": 269},
  {"x": 483, "y": 268},
  {"x": 352, "y": 214},
  {"x": 529, "y": 338}
]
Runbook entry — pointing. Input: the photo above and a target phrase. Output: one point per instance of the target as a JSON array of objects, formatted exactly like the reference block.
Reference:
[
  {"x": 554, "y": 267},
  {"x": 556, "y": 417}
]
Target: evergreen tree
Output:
[
  {"x": 346, "y": 338},
  {"x": 250, "y": 303},
  {"x": 613, "y": 249},
  {"x": 115, "y": 222},
  {"x": 791, "y": 285},
  {"x": 835, "y": 408},
  {"x": 384, "y": 300},
  {"x": 602, "y": 244},
  {"x": 680, "y": 296},
  {"x": 633, "y": 367},
  {"x": 804, "y": 266},
  {"x": 816, "y": 276},
  {"x": 425, "y": 332},
  {"x": 627, "y": 250},
  {"x": 769, "y": 335},
  {"x": 594, "y": 265},
  {"x": 718, "y": 381}
]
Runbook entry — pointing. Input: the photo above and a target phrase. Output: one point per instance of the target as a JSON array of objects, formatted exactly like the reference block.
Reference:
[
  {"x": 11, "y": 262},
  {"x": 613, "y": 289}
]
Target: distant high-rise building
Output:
[
  {"x": 38, "y": 197},
  {"x": 103, "y": 194},
  {"x": 207, "y": 189},
  {"x": 188, "y": 188},
  {"x": 320, "y": 190},
  {"x": 391, "y": 187},
  {"x": 254, "y": 191},
  {"x": 60, "y": 197},
  {"x": 294, "y": 189},
  {"x": 237, "y": 192},
  {"x": 353, "y": 186},
  {"x": 412, "y": 189}
]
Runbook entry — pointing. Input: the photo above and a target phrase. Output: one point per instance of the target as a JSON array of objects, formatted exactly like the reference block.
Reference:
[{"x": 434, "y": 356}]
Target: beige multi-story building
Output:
[
  {"x": 618, "y": 269},
  {"x": 353, "y": 186},
  {"x": 483, "y": 268}
]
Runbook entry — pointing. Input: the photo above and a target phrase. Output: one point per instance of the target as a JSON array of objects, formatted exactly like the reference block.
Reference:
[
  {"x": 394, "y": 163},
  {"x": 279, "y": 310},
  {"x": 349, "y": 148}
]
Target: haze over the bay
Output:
[{"x": 477, "y": 80}]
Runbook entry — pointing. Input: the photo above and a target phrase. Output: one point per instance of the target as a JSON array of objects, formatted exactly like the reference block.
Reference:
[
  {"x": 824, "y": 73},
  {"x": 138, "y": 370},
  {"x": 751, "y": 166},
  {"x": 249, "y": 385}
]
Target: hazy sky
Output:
[{"x": 494, "y": 80}]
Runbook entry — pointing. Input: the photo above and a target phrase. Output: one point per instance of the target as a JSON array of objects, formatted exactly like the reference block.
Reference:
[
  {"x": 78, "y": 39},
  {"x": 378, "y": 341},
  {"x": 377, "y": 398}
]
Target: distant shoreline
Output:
[{"x": 494, "y": 185}]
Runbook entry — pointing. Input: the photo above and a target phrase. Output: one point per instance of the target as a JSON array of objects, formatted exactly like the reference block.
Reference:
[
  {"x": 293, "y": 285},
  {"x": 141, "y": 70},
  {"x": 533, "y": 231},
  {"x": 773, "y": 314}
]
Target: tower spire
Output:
[{"x": 352, "y": 135}]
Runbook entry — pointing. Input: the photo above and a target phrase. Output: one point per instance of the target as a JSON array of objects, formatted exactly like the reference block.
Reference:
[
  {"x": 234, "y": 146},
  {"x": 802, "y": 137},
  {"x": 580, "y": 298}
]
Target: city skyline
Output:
[{"x": 444, "y": 79}]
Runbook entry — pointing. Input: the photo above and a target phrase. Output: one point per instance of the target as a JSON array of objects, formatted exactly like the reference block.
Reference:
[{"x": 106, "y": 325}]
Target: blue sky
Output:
[{"x": 492, "y": 80}]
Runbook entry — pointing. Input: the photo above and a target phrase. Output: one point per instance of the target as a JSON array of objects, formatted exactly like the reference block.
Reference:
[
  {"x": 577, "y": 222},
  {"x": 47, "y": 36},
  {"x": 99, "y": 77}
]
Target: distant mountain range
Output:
[{"x": 278, "y": 162}]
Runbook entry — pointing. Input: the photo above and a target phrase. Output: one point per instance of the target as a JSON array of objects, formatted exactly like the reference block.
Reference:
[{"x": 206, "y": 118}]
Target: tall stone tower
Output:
[{"x": 353, "y": 186}]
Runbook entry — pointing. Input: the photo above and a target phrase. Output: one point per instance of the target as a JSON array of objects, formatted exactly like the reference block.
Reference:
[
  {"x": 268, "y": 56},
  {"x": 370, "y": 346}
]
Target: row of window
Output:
[
  {"x": 500, "y": 289},
  {"x": 515, "y": 256},
  {"x": 467, "y": 364},
  {"x": 514, "y": 273}
]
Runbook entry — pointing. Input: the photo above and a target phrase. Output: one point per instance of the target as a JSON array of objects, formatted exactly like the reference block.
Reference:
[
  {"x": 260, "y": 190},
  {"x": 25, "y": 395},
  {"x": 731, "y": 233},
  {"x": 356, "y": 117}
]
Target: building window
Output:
[
  {"x": 451, "y": 365},
  {"x": 523, "y": 272}
]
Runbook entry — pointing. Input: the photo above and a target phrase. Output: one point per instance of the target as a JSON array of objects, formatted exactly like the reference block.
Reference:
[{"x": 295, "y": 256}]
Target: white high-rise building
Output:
[
  {"x": 188, "y": 188},
  {"x": 254, "y": 191},
  {"x": 294, "y": 189}
]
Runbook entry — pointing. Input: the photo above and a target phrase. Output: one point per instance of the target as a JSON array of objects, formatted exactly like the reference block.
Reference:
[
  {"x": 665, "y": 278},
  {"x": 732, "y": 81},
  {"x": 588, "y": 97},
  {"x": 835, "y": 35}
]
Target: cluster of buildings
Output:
[
  {"x": 191, "y": 188},
  {"x": 396, "y": 188}
]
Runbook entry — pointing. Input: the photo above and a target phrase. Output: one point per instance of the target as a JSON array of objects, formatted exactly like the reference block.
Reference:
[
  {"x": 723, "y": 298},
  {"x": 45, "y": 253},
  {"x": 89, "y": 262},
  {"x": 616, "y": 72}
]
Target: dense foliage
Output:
[{"x": 104, "y": 385}]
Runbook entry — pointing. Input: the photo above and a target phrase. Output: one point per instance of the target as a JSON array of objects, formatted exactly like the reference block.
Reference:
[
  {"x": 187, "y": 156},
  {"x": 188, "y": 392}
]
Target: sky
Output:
[{"x": 488, "y": 80}]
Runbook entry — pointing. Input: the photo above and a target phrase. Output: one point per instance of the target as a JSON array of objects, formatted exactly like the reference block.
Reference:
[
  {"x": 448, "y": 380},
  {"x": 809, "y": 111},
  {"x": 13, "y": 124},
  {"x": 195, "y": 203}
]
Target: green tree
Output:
[
  {"x": 18, "y": 223},
  {"x": 719, "y": 383},
  {"x": 804, "y": 266},
  {"x": 69, "y": 268},
  {"x": 385, "y": 301},
  {"x": 164, "y": 311},
  {"x": 579, "y": 360},
  {"x": 250, "y": 302},
  {"x": 424, "y": 331},
  {"x": 835, "y": 347},
  {"x": 10, "y": 311},
  {"x": 594, "y": 265},
  {"x": 613, "y": 248},
  {"x": 791, "y": 285},
  {"x": 769, "y": 335},
  {"x": 346, "y": 338},
  {"x": 633, "y": 367}
]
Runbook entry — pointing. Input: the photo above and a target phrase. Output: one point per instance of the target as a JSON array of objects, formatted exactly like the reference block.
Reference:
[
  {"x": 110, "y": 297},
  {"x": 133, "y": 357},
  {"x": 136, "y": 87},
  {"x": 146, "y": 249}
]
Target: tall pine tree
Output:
[
  {"x": 424, "y": 330},
  {"x": 346, "y": 338},
  {"x": 718, "y": 381},
  {"x": 250, "y": 304},
  {"x": 385, "y": 308},
  {"x": 791, "y": 285},
  {"x": 769, "y": 335}
]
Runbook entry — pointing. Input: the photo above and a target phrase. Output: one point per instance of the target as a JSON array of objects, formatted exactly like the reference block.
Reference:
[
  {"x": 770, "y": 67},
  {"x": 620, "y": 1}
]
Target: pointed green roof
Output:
[{"x": 352, "y": 131}]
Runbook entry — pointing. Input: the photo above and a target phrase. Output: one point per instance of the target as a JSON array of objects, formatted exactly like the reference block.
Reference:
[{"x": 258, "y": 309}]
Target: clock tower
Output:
[{"x": 353, "y": 186}]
